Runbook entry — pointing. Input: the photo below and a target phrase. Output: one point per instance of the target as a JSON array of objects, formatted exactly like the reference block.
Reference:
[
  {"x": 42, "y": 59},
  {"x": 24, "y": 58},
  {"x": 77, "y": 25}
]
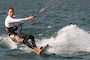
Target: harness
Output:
[{"x": 11, "y": 30}]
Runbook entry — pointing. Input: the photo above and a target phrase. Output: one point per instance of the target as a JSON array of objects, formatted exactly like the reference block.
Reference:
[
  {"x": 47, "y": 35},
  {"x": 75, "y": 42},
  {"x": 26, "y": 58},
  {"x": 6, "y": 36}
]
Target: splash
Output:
[
  {"x": 69, "y": 40},
  {"x": 4, "y": 39},
  {"x": 13, "y": 46}
]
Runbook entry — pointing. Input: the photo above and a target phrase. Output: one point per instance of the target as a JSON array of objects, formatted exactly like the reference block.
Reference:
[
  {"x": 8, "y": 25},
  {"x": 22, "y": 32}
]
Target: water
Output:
[{"x": 64, "y": 26}]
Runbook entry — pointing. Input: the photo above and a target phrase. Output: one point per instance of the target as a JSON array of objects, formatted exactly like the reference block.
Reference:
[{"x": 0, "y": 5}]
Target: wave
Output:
[{"x": 70, "y": 40}]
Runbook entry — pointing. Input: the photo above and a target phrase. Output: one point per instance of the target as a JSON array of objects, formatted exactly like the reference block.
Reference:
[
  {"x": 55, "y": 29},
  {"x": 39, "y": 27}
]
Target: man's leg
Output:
[
  {"x": 26, "y": 38},
  {"x": 28, "y": 44},
  {"x": 33, "y": 46},
  {"x": 32, "y": 40}
]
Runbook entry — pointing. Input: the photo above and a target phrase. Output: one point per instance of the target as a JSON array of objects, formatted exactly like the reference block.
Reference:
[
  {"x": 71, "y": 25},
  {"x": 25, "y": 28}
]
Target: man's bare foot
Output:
[{"x": 37, "y": 50}]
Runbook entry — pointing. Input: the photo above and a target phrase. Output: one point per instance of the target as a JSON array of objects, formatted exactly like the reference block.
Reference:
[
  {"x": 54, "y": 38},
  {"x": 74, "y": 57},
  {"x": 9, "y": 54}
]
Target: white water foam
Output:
[
  {"x": 9, "y": 43},
  {"x": 69, "y": 40},
  {"x": 5, "y": 40}
]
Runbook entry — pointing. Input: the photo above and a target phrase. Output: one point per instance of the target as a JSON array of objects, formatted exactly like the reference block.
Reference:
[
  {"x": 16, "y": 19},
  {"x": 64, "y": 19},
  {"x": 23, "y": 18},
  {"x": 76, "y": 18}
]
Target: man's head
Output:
[{"x": 10, "y": 11}]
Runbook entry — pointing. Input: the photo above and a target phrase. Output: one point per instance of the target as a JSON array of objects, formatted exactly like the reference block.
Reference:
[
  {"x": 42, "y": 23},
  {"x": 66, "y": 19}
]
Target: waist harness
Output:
[{"x": 11, "y": 30}]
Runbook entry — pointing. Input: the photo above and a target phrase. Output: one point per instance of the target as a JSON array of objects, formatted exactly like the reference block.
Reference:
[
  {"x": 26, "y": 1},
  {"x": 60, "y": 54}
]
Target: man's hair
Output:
[{"x": 10, "y": 8}]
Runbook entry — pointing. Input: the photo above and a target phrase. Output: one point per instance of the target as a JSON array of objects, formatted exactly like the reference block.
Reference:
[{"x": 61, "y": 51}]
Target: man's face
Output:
[{"x": 11, "y": 12}]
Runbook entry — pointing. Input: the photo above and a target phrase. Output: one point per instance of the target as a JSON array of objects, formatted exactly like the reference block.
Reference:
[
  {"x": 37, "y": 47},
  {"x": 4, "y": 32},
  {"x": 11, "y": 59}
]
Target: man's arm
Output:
[{"x": 20, "y": 20}]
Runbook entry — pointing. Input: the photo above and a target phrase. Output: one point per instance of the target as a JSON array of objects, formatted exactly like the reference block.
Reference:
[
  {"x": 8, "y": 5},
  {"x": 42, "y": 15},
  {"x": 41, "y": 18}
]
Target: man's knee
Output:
[
  {"x": 24, "y": 41},
  {"x": 31, "y": 37}
]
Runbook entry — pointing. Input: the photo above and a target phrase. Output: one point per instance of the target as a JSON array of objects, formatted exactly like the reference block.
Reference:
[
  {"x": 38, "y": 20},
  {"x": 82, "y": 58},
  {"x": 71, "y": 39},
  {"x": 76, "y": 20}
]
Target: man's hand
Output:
[{"x": 30, "y": 17}]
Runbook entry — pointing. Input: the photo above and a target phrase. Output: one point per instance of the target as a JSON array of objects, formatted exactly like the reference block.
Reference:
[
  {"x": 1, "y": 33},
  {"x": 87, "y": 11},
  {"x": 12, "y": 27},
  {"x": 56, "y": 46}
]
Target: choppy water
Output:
[{"x": 65, "y": 27}]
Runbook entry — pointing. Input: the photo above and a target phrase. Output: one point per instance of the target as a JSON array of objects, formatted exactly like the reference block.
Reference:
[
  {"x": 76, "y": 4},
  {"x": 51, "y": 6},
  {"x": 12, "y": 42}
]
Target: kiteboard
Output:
[{"x": 43, "y": 49}]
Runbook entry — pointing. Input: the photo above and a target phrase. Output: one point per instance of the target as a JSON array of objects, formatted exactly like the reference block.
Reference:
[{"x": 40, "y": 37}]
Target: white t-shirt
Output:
[{"x": 10, "y": 21}]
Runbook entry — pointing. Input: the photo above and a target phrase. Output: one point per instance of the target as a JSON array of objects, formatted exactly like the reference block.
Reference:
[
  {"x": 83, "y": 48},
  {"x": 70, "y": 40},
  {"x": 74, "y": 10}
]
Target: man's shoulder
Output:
[{"x": 8, "y": 17}]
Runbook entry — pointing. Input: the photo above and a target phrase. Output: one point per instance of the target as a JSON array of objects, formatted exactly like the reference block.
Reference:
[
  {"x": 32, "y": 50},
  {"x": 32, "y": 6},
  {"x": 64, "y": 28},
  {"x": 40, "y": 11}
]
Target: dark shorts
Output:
[{"x": 19, "y": 37}]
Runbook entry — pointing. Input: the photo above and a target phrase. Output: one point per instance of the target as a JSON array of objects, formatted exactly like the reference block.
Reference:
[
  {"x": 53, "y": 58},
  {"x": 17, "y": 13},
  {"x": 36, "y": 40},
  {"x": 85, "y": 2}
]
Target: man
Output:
[{"x": 12, "y": 30}]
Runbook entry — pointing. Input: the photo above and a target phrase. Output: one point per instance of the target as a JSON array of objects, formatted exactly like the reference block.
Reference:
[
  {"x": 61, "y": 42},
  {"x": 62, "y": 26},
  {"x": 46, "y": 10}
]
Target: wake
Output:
[{"x": 70, "y": 40}]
